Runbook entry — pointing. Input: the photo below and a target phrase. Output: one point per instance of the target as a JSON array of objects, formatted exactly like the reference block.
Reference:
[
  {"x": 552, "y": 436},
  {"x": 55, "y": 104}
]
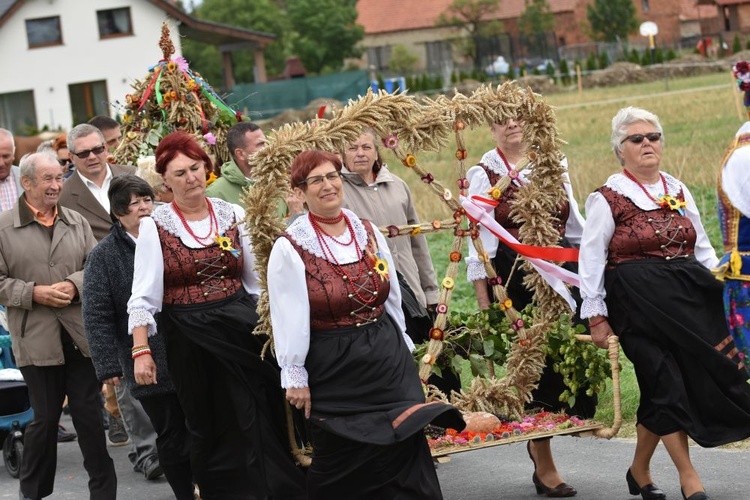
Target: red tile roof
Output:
[{"x": 383, "y": 16}]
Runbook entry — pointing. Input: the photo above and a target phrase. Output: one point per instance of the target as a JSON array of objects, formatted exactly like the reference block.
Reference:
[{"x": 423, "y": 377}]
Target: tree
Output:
[
  {"x": 472, "y": 16},
  {"x": 535, "y": 21},
  {"x": 402, "y": 61},
  {"x": 611, "y": 20},
  {"x": 326, "y": 32},
  {"x": 259, "y": 15}
]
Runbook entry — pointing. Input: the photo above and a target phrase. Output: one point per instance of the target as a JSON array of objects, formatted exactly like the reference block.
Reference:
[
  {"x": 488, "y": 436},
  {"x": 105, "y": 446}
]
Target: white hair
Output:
[{"x": 627, "y": 117}]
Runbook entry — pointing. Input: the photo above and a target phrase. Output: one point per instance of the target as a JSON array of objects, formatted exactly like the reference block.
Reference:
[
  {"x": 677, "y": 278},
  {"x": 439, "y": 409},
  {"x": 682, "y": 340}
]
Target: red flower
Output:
[{"x": 742, "y": 67}]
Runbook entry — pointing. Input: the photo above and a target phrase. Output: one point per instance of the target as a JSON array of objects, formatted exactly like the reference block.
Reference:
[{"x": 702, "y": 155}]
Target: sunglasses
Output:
[
  {"x": 85, "y": 154},
  {"x": 638, "y": 138},
  {"x": 65, "y": 162}
]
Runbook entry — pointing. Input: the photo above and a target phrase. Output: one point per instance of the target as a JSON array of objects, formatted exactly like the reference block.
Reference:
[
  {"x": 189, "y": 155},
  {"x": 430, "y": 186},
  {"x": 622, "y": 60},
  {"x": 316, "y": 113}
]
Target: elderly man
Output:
[
  {"x": 86, "y": 192},
  {"x": 10, "y": 177},
  {"x": 43, "y": 249}
]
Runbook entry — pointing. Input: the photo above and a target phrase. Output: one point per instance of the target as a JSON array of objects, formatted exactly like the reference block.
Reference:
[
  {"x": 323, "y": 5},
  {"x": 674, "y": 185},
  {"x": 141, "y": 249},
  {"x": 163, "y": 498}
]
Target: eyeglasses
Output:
[
  {"x": 317, "y": 180},
  {"x": 638, "y": 138},
  {"x": 64, "y": 162},
  {"x": 85, "y": 154}
]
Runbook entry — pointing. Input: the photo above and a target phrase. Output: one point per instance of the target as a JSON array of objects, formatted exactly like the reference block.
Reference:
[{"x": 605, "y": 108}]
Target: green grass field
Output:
[{"x": 699, "y": 117}]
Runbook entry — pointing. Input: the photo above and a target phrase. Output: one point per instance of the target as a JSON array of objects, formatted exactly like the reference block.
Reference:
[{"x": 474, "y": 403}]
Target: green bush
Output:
[
  {"x": 603, "y": 60},
  {"x": 736, "y": 44},
  {"x": 671, "y": 55},
  {"x": 591, "y": 64},
  {"x": 564, "y": 72},
  {"x": 634, "y": 57},
  {"x": 658, "y": 55},
  {"x": 646, "y": 58},
  {"x": 381, "y": 82},
  {"x": 511, "y": 73},
  {"x": 424, "y": 83}
]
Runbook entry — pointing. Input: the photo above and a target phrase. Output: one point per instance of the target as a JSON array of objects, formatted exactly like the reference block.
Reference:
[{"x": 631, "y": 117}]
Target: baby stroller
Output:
[{"x": 15, "y": 408}]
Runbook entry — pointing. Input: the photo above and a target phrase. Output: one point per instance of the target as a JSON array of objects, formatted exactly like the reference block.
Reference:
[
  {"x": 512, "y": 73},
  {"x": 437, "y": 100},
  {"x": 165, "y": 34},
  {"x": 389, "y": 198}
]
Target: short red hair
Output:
[
  {"x": 176, "y": 142},
  {"x": 61, "y": 142},
  {"x": 307, "y": 161}
]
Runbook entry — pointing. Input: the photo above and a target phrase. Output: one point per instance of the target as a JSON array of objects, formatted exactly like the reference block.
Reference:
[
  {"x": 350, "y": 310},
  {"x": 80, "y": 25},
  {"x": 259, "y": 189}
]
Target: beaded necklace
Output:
[
  {"x": 213, "y": 224},
  {"x": 363, "y": 270},
  {"x": 330, "y": 221},
  {"x": 643, "y": 188}
]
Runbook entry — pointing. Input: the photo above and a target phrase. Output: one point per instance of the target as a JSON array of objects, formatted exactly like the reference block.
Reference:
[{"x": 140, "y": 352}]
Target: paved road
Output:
[{"x": 595, "y": 467}]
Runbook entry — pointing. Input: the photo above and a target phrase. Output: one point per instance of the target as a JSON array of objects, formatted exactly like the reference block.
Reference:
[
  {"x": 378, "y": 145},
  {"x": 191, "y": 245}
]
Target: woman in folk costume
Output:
[
  {"x": 734, "y": 217},
  {"x": 343, "y": 350},
  {"x": 645, "y": 276}
]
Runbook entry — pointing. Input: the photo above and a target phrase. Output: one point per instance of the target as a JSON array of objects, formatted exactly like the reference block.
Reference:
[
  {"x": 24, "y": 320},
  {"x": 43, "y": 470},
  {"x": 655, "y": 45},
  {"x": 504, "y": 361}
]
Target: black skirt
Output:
[
  {"x": 670, "y": 319},
  {"x": 232, "y": 400},
  {"x": 368, "y": 412},
  {"x": 546, "y": 396}
]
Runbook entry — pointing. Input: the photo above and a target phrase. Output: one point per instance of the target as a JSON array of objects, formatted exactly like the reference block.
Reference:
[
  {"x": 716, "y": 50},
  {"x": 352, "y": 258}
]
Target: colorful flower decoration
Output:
[
  {"x": 741, "y": 72},
  {"x": 182, "y": 63},
  {"x": 506, "y": 304},
  {"x": 210, "y": 138},
  {"x": 380, "y": 266},
  {"x": 391, "y": 142},
  {"x": 513, "y": 174},
  {"x": 392, "y": 231},
  {"x": 436, "y": 224},
  {"x": 428, "y": 359},
  {"x": 474, "y": 234},
  {"x": 672, "y": 203},
  {"x": 428, "y": 178},
  {"x": 171, "y": 66},
  {"x": 416, "y": 230},
  {"x": 461, "y": 154},
  {"x": 496, "y": 193},
  {"x": 455, "y": 256},
  {"x": 463, "y": 183},
  {"x": 225, "y": 244},
  {"x": 436, "y": 334},
  {"x": 410, "y": 161},
  {"x": 448, "y": 283},
  {"x": 211, "y": 178},
  {"x": 518, "y": 324},
  {"x": 524, "y": 342},
  {"x": 441, "y": 308},
  {"x": 447, "y": 195}
]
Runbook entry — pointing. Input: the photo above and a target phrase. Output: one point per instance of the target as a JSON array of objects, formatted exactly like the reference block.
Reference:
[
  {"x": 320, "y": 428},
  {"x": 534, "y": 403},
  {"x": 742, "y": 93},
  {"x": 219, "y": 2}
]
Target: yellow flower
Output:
[
  {"x": 224, "y": 242},
  {"x": 381, "y": 267},
  {"x": 416, "y": 230},
  {"x": 448, "y": 283},
  {"x": 410, "y": 161},
  {"x": 171, "y": 66},
  {"x": 506, "y": 304},
  {"x": 211, "y": 178},
  {"x": 496, "y": 193}
]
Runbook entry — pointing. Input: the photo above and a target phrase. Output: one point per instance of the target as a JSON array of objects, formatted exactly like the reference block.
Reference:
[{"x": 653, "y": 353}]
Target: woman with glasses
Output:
[
  {"x": 644, "y": 267},
  {"x": 344, "y": 355},
  {"x": 194, "y": 263},
  {"x": 496, "y": 164}
]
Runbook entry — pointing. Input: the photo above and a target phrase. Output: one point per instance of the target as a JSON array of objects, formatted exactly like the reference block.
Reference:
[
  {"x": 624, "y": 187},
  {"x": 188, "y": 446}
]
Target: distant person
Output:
[
  {"x": 43, "y": 248},
  {"x": 60, "y": 147},
  {"x": 10, "y": 175},
  {"x": 110, "y": 129},
  {"x": 243, "y": 139}
]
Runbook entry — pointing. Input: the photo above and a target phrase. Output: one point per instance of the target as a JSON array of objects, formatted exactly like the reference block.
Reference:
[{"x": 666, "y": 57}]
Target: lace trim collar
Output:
[
  {"x": 166, "y": 217},
  {"x": 303, "y": 234},
  {"x": 620, "y": 184},
  {"x": 493, "y": 161}
]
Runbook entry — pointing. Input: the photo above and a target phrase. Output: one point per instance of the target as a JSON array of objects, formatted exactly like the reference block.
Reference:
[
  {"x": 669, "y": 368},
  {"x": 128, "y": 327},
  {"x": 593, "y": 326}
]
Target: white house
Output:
[{"x": 64, "y": 61}]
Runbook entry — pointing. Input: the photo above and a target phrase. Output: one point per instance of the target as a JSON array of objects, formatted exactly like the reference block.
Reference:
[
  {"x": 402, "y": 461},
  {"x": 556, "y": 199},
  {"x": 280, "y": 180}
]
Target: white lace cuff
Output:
[
  {"x": 475, "y": 271},
  {"x": 141, "y": 317},
  {"x": 294, "y": 377},
  {"x": 409, "y": 342},
  {"x": 593, "y": 307}
]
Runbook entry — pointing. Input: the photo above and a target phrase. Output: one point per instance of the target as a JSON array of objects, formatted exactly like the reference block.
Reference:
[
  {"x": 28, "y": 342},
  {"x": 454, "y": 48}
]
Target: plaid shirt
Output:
[{"x": 8, "y": 192}]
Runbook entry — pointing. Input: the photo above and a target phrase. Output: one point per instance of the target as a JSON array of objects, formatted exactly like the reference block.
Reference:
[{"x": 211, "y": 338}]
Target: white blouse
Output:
[
  {"x": 600, "y": 226},
  {"x": 735, "y": 176},
  {"x": 290, "y": 304},
  {"x": 479, "y": 184},
  {"x": 148, "y": 276}
]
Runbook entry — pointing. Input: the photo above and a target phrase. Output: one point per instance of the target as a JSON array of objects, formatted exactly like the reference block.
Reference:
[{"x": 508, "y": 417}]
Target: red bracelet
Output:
[
  {"x": 141, "y": 353},
  {"x": 592, "y": 325}
]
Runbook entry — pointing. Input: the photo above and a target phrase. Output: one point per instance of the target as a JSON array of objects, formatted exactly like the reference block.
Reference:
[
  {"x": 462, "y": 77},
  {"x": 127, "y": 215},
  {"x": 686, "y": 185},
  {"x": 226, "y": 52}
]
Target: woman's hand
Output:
[
  {"x": 300, "y": 398},
  {"x": 144, "y": 370},
  {"x": 113, "y": 381},
  {"x": 600, "y": 331}
]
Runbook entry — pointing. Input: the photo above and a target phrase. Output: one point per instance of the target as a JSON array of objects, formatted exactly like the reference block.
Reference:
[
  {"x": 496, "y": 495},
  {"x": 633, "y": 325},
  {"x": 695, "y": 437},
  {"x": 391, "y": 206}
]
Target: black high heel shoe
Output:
[
  {"x": 562, "y": 490},
  {"x": 699, "y": 495},
  {"x": 648, "y": 492}
]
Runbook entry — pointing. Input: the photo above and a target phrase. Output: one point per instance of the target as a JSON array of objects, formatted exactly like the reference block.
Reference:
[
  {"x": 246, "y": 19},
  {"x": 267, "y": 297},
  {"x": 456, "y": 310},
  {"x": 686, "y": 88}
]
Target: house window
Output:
[
  {"x": 114, "y": 22},
  {"x": 438, "y": 54},
  {"x": 43, "y": 32},
  {"x": 379, "y": 57},
  {"x": 17, "y": 112},
  {"x": 644, "y": 5},
  {"x": 88, "y": 100}
]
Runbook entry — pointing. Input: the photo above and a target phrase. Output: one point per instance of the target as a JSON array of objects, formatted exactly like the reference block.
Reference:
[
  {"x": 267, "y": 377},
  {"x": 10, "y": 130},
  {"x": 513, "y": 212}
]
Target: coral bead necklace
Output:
[{"x": 213, "y": 224}]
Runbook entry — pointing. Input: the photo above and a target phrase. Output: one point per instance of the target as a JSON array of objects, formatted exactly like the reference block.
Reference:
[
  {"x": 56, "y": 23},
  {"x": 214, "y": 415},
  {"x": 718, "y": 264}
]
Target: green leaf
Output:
[
  {"x": 478, "y": 365},
  {"x": 457, "y": 363},
  {"x": 437, "y": 370},
  {"x": 489, "y": 347}
]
